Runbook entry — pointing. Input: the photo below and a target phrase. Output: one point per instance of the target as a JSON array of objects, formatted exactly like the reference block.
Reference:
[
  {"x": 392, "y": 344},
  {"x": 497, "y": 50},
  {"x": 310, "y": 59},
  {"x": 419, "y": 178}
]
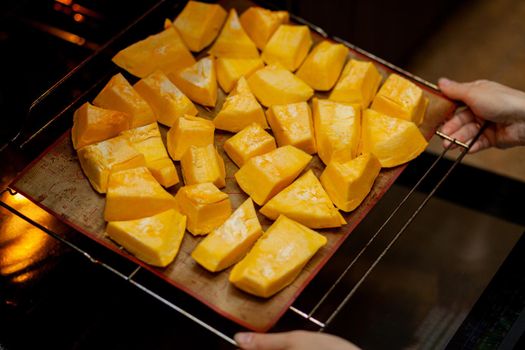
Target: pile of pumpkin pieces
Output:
[{"x": 122, "y": 153}]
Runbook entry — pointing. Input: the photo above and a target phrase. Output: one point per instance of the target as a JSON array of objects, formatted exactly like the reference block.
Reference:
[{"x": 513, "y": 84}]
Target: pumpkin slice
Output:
[
  {"x": 203, "y": 164},
  {"x": 262, "y": 177},
  {"x": 164, "y": 51},
  {"x": 228, "y": 243},
  {"x": 229, "y": 70},
  {"x": 260, "y": 24},
  {"x": 134, "y": 194},
  {"x": 189, "y": 131},
  {"x": 233, "y": 40},
  {"x": 166, "y": 100},
  {"x": 98, "y": 160},
  {"x": 92, "y": 124},
  {"x": 154, "y": 240},
  {"x": 277, "y": 258},
  {"x": 337, "y": 129},
  {"x": 198, "y": 82},
  {"x": 358, "y": 83},
  {"x": 251, "y": 141},
  {"x": 199, "y": 23},
  {"x": 401, "y": 98},
  {"x": 322, "y": 66},
  {"x": 292, "y": 125},
  {"x": 392, "y": 140},
  {"x": 288, "y": 46},
  {"x": 205, "y": 206},
  {"x": 274, "y": 85},
  {"x": 147, "y": 140},
  {"x": 306, "y": 202},
  {"x": 119, "y": 95},
  {"x": 348, "y": 183},
  {"x": 240, "y": 109}
]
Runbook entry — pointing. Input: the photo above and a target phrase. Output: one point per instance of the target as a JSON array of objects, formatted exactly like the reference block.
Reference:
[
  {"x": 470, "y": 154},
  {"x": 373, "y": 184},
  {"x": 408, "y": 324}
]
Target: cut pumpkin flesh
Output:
[
  {"x": 198, "y": 82},
  {"x": 260, "y": 24},
  {"x": 203, "y": 164},
  {"x": 229, "y": 70},
  {"x": 233, "y": 41},
  {"x": 251, "y": 141},
  {"x": 288, "y": 46},
  {"x": 189, "y": 131}
]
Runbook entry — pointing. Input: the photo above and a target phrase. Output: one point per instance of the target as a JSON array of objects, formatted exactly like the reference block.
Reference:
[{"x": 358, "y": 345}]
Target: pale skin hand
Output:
[
  {"x": 295, "y": 340},
  {"x": 485, "y": 101}
]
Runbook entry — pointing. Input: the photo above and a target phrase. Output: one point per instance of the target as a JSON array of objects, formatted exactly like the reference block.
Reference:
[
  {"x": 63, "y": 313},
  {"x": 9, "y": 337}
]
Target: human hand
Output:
[
  {"x": 486, "y": 101},
  {"x": 295, "y": 340}
]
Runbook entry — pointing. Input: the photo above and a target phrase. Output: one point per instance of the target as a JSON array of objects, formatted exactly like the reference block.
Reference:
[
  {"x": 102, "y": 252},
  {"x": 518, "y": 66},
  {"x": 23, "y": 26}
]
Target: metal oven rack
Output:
[{"x": 24, "y": 140}]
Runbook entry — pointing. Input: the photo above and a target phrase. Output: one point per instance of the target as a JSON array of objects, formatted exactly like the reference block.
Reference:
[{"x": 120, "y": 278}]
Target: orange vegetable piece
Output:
[
  {"x": 274, "y": 85},
  {"x": 292, "y": 125},
  {"x": 393, "y": 141},
  {"x": 251, "y": 141},
  {"x": 164, "y": 51},
  {"x": 401, "y": 98},
  {"x": 358, "y": 83},
  {"x": 198, "y": 82},
  {"x": 92, "y": 124},
  {"x": 189, "y": 131},
  {"x": 240, "y": 109},
  {"x": 229, "y": 70},
  {"x": 337, "y": 130},
  {"x": 233, "y": 40},
  {"x": 119, "y": 95},
  {"x": 288, "y": 46},
  {"x": 322, "y": 66},
  {"x": 203, "y": 164},
  {"x": 348, "y": 183},
  {"x": 260, "y": 24},
  {"x": 199, "y": 23},
  {"x": 166, "y": 100}
]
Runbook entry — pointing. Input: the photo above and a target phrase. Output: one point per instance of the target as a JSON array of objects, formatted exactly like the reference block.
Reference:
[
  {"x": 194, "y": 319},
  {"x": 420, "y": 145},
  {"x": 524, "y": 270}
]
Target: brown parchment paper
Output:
[{"x": 56, "y": 183}]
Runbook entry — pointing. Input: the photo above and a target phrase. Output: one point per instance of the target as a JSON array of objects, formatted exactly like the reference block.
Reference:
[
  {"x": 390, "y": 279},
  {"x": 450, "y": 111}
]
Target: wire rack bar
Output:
[{"x": 126, "y": 277}]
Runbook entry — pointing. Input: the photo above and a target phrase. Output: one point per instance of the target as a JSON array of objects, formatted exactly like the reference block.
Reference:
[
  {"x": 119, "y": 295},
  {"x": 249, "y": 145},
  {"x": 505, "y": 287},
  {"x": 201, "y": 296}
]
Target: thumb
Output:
[
  {"x": 259, "y": 341},
  {"x": 453, "y": 89}
]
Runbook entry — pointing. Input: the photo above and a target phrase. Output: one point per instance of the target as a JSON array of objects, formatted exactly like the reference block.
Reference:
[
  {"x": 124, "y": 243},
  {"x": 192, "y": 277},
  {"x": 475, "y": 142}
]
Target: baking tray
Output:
[{"x": 55, "y": 182}]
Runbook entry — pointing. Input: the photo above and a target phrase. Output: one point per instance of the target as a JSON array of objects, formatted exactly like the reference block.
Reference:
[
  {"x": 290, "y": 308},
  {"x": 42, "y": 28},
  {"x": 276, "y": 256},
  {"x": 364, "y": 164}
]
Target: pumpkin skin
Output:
[
  {"x": 306, "y": 202},
  {"x": 274, "y": 85},
  {"x": 229, "y": 243},
  {"x": 199, "y": 23},
  {"x": 240, "y": 109},
  {"x": 205, "y": 207},
  {"x": 251, "y": 141},
  {"x": 164, "y": 51},
  {"x": 276, "y": 258},
  {"x": 154, "y": 240},
  {"x": 398, "y": 97},
  {"x": 358, "y": 84},
  {"x": 92, "y": 124},
  {"x": 348, "y": 183},
  {"x": 262, "y": 177},
  {"x": 288, "y": 46},
  {"x": 260, "y": 23},
  {"x": 322, "y": 66}
]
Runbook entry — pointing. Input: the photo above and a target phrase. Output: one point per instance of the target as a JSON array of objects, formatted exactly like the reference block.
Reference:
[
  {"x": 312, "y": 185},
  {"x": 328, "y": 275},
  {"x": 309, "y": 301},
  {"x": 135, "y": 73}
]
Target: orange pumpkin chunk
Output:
[
  {"x": 233, "y": 40},
  {"x": 229, "y": 70},
  {"x": 203, "y": 164},
  {"x": 260, "y": 24},
  {"x": 92, "y": 124},
  {"x": 199, "y": 23},
  {"x": 322, "y": 66},
  {"x": 119, "y": 95},
  {"x": 401, "y": 98},
  {"x": 240, "y": 109},
  {"x": 164, "y": 51},
  {"x": 166, "y": 100},
  {"x": 189, "y": 131},
  {"x": 198, "y": 82},
  {"x": 288, "y": 46},
  {"x": 251, "y": 141},
  {"x": 392, "y": 140}
]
